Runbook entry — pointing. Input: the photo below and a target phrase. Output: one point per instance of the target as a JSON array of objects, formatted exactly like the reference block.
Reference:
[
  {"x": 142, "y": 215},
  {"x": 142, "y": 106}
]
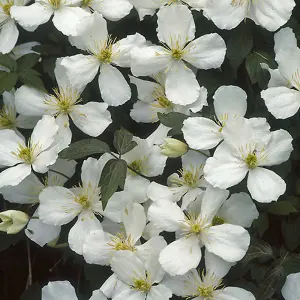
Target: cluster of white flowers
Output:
[{"x": 217, "y": 153}]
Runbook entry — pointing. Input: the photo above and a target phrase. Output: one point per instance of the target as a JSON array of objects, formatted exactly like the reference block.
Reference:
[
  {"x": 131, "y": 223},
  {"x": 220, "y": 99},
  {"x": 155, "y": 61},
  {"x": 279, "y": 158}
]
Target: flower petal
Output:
[
  {"x": 9, "y": 34},
  {"x": 14, "y": 175},
  {"x": 58, "y": 289}
]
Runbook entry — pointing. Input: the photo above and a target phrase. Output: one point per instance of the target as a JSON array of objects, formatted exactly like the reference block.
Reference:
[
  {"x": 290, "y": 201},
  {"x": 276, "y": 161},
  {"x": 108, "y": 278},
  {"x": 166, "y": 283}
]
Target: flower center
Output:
[
  {"x": 6, "y": 6},
  {"x": 193, "y": 225},
  {"x": 137, "y": 165},
  {"x": 217, "y": 221},
  {"x": 25, "y": 153},
  {"x": 177, "y": 54},
  {"x": 251, "y": 160},
  {"x": 55, "y": 3},
  {"x": 7, "y": 118},
  {"x": 83, "y": 200},
  {"x": 86, "y": 3},
  {"x": 64, "y": 100},
  {"x": 206, "y": 292},
  {"x": 104, "y": 50},
  {"x": 141, "y": 285},
  {"x": 189, "y": 177},
  {"x": 239, "y": 2},
  {"x": 121, "y": 242}
]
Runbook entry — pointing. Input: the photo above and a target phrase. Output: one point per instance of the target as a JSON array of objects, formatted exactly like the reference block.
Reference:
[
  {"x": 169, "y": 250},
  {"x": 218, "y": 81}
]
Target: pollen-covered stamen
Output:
[
  {"x": 26, "y": 153},
  {"x": 217, "y": 221},
  {"x": 137, "y": 165},
  {"x": 189, "y": 176},
  {"x": 86, "y": 3},
  {"x": 296, "y": 79},
  {"x": 6, "y": 5},
  {"x": 83, "y": 200},
  {"x": 63, "y": 100},
  {"x": 105, "y": 50},
  {"x": 221, "y": 121},
  {"x": 142, "y": 284},
  {"x": 193, "y": 224},
  {"x": 239, "y": 2},
  {"x": 122, "y": 242},
  {"x": 251, "y": 160},
  {"x": 161, "y": 99},
  {"x": 253, "y": 155},
  {"x": 7, "y": 117},
  {"x": 55, "y": 3}
]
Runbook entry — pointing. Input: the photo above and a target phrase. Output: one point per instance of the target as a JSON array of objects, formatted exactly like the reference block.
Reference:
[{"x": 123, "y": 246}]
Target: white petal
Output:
[
  {"x": 191, "y": 159},
  {"x": 14, "y": 175},
  {"x": 31, "y": 16},
  {"x": 145, "y": 113},
  {"x": 176, "y": 25},
  {"x": 110, "y": 78},
  {"x": 85, "y": 223},
  {"x": 58, "y": 289},
  {"x": 230, "y": 242},
  {"x": 130, "y": 294},
  {"x": 90, "y": 173},
  {"x": 66, "y": 18},
  {"x": 137, "y": 187},
  {"x": 230, "y": 100},
  {"x": 113, "y": 286},
  {"x": 57, "y": 206},
  {"x": 291, "y": 288},
  {"x": 145, "y": 88},
  {"x": 30, "y": 101},
  {"x": 234, "y": 293},
  {"x": 276, "y": 80},
  {"x": 159, "y": 292},
  {"x": 182, "y": 86},
  {"x": 239, "y": 209},
  {"x": 155, "y": 162},
  {"x": 9, "y": 34},
  {"x": 201, "y": 133},
  {"x": 264, "y": 185},
  {"x": 64, "y": 135},
  {"x": 206, "y": 52},
  {"x": 166, "y": 215},
  {"x": 187, "y": 249},
  {"x": 26, "y": 122},
  {"x": 200, "y": 102},
  {"x": 98, "y": 295},
  {"x": 91, "y": 118},
  {"x": 157, "y": 191},
  {"x": 271, "y": 14},
  {"x": 281, "y": 102},
  {"x": 45, "y": 159},
  {"x": 283, "y": 38},
  {"x": 81, "y": 69}
]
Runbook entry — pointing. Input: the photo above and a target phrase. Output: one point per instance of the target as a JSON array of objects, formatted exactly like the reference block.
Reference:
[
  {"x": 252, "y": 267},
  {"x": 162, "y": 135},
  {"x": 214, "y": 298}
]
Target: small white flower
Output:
[
  {"x": 13, "y": 221},
  {"x": 291, "y": 288}
]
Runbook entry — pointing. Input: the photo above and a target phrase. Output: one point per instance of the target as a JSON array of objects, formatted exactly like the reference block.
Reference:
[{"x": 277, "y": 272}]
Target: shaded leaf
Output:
[
  {"x": 291, "y": 233},
  {"x": 260, "y": 250},
  {"x": 281, "y": 208},
  {"x": 8, "y": 62},
  {"x": 84, "y": 148},
  {"x": 261, "y": 224},
  {"x": 173, "y": 120},
  {"x": 27, "y": 61},
  {"x": 7, "y": 81},
  {"x": 112, "y": 177},
  {"x": 32, "y": 78},
  {"x": 123, "y": 141}
]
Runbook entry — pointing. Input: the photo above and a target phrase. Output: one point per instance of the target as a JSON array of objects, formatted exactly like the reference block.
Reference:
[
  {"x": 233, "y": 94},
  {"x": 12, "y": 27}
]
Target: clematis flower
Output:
[
  {"x": 176, "y": 31},
  {"x": 243, "y": 152},
  {"x": 64, "y": 290},
  {"x": 9, "y": 32},
  {"x": 40, "y": 151},
  {"x": 113, "y": 10},
  {"x": 282, "y": 97},
  {"x": 194, "y": 229},
  {"x": 141, "y": 280},
  {"x": 66, "y": 14},
  {"x": 13, "y": 221},
  {"x": 27, "y": 192},
  {"x": 270, "y": 14},
  {"x": 209, "y": 285},
  {"x": 291, "y": 288},
  {"x": 152, "y": 99},
  {"x": 104, "y": 54},
  {"x": 59, "y": 205},
  {"x": 91, "y": 118}
]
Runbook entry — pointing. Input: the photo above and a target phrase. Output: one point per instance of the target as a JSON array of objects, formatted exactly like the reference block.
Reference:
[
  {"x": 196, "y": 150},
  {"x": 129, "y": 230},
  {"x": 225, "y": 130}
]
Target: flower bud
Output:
[
  {"x": 13, "y": 221},
  {"x": 173, "y": 148}
]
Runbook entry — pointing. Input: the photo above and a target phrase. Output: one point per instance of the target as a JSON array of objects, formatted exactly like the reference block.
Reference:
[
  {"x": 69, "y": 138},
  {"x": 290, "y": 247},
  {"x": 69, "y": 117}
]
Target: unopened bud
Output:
[
  {"x": 173, "y": 148},
  {"x": 13, "y": 221}
]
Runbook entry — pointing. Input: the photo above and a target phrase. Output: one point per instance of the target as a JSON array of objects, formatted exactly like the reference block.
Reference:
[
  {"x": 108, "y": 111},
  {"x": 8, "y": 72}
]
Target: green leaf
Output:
[
  {"x": 261, "y": 224},
  {"x": 260, "y": 250},
  {"x": 27, "y": 61},
  {"x": 291, "y": 233},
  {"x": 173, "y": 120},
  {"x": 123, "y": 141},
  {"x": 281, "y": 208},
  {"x": 7, "y": 81},
  {"x": 85, "y": 147},
  {"x": 239, "y": 45},
  {"x": 32, "y": 78},
  {"x": 8, "y": 62},
  {"x": 291, "y": 264},
  {"x": 112, "y": 177}
]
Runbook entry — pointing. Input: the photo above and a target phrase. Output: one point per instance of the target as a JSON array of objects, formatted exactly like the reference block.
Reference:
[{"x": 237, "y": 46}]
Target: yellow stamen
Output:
[{"x": 121, "y": 242}]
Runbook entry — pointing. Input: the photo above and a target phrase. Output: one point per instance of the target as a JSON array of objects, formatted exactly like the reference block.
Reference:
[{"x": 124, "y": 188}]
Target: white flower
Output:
[
  {"x": 282, "y": 97},
  {"x": 244, "y": 152},
  {"x": 140, "y": 278},
  {"x": 113, "y": 10},
  {"x": 270, "y": 14},
  {"x": 153, "y": 99},
  {"x": 186, "y": 185},
  {"x": 91, "y": 118},
  {"x": 9, "y": 118},
  {"x": 92, "y": 36},
  {"x": 59, "y": 205},
  {"x": 40, "y": 151},
  {"x": 208, "y": 285},
  {"x": 176, "y": 30},
  {"x": 100, "y": 246},
  {"x": 195, "y": 229},
  {"x": 13, "y": 221},
  {"x": 173, "y": 148},
  {"x": 291, "y": 288},
  {"x": 65, "y": 14},
  {"x": 9, "y": 32},
  {"x": 64, "y": 290}
]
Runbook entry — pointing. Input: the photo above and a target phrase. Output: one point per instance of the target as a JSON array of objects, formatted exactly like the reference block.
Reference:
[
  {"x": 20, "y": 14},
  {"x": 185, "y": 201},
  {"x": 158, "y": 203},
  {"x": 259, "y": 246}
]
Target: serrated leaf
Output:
[
  {"x": 7, "y": 81},
  {"x": 281, "y": 208},
  {"x": 112, "y": 177},
  {"x": 291, "y": 233},
  {"x": 27, "y": 61},
  {"x": 32, "y": 78},
  {"x": 123, "y": 141},
  {"x": 85, "y": 147},
  {"x": 239, "y": 45},
  {"x": 8, "y": 62},
  {"x": 260, "y": 250}
]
